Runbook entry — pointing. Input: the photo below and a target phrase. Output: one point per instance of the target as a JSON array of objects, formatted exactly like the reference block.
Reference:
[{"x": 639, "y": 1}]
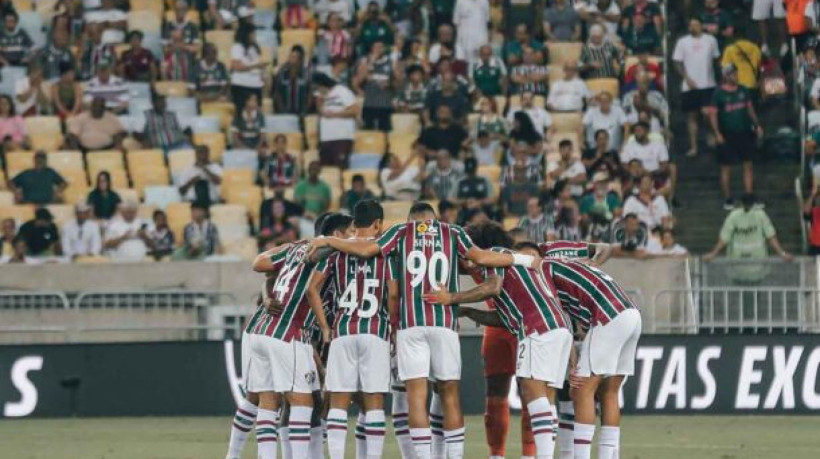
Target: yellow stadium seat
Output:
[
  {"x": 66, "y": 160},
  {"x": 370, "y": 142},
  {"x": 236, "y": 177},
  {"x": 493, "y": 174},
  {"x": 6, "y": 198},
  {"x": 149, "y": 176},
  {"x": 500, "y": 104},
  {"x": 104, "y": 160},
  {"x": 75, "y": 177},
  {"x": 223, "y": 40},
  {"x": 267, "y": 102},
  {"x": 401, "y": 144},
  {"x": 22, "y": 5},
  {"x": 75, "y": 193},
  {"x": 128, "y": 194},
  {"x": 21, "y": 213},
  {"x": 192, "y": 16},
  {"x": 146, "y": 21},
  {"x": 18, "y": 161},
  {"x": 224, "y": 110},
  {"x": 510, "y": 223},
  {"x": 157, "y": 7},
  {"x": 179, "y": 160},
  {"x": 62, "y": 213},
  {"x": 232, "y": 221},
  {"x": 515, "y": 101},
  {"x": 555, "y": 72},
  {"x": 312, "y": 124},
  {"x": 396, "y": 210},
  {"x": 561, "y": 53},
  {"x": 332, "y": 176},
  {"x": 146, "y": 212},
  {"x": 600, "y": 85},
  {"x": 92, "y": 259},
  {"x": 119, "y": 178},
  {"x": 44, "y": 132},
  {"x": 567, "y": 122},
  {"x": 245, "y": 248},
  {"x": 172, "y": 88},
  {"x": 266, "y": 5},
  {"x": 249, "y": 196},
  {"x": 370, "y": 176},
  {"x": 179, "y": 214},
  {"x": 308, "y": 156},
  {"x": 409, "y": 123},
  {"x": 215, "y": 141},
  {"x": 304, "y": 37},
  {"x": 145, "y": 158}
]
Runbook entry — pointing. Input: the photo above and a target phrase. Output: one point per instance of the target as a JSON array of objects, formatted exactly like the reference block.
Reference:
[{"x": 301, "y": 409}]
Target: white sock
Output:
[
  {"x": 437, "y": 428},
  {"x": 336, "y": 433},
  {"x": 284, "y": 439},
  {"x": 566, "y": 421},
  {"x": 361, "y": 437},
  {"x": 374, "y": 432},
  {"x": 242, "y": 424},
  {"x": 583, "y": 440},
  {"x": 317, "y": 442},
  {"x": 454, "y": 441},
  {"x": 421, "y": 442},
  {"x": 299, "y": 425},
  {"x": 541, "y": 418},
  {"x": 400, "y": 425},
  {"x": 609, "y": 442},
  {"x": 266, "y": 433}
]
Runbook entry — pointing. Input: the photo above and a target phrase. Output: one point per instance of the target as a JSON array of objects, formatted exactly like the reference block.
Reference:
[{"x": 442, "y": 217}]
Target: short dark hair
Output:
[
  {"x": 317, "y": 224},
  {"x": 335, "y": 222},
  {"x": 421, "y": 207},
  {"x": 199, "y": 205},
  {"x": 488, "y": 234},
  {"x": 366, "y": 212},
  {"x": 445, "y": 205},
  {"x": 470, "y": 164},
  {"x": 517, "y": 231},
  {"x": 324, "y": 80},
  {"x": 630, "y": 216},
  {"x": 358, "y": 178},
  {"x": 601, "y": 131},
  {"x": 642, "y": 124},
  {"x": 565, "y": 143},
  {"x": 527, "y": 245}
]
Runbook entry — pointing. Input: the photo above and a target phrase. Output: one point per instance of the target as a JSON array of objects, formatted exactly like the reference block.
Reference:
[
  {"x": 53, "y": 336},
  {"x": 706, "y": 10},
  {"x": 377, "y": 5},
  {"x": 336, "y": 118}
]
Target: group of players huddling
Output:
[{"x": 368, "y": 310}]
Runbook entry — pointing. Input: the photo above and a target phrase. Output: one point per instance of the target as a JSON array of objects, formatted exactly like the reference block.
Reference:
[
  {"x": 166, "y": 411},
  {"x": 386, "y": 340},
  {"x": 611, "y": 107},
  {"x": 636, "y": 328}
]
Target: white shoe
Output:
[
  {"x": 764, "y": 49},
  {"x": 784, "y": 49}
]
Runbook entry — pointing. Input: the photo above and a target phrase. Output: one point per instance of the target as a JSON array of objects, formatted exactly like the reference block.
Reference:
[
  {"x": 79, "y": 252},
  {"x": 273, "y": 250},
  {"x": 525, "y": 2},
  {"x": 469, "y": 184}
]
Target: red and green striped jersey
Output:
[
  {"x": 361, "y": 287},
  {"x": 427, "y": 253},
  {"x": 565, "y": 249},
  {"x": 290, "y": 289},
  {"x": 260, "y": 311},
  {"x": 589, "y": 295},
  {"x": 528, "y": 302}
]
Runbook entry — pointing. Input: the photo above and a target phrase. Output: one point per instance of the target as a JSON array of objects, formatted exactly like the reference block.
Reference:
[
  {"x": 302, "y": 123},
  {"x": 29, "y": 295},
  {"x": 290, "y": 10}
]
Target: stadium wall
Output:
[{"x": 674, "y": 375}]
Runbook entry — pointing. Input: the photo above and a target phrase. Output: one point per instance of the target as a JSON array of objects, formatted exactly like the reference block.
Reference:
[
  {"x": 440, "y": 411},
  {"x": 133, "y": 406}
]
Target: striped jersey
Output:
[
  {"x": 260, "y": 311},
  {"x": 528, "y": 302},
  {"x": 589, "y": 295},
  {"x": 565, "y": 249},
  {"x": 290, "y": 290},
  {"x": 361, "y": 287},
  {"x": 427, "y": 254}
]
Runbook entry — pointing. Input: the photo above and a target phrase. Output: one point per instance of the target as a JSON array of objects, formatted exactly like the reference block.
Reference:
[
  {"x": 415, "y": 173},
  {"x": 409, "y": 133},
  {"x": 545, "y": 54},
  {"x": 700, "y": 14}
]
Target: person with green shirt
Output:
[
  {"x": 514, "y": 50},
  {"x": 312, "y": 193},
  {"x": 489, "y": 74},
  {"x": 376, "y": 26},
  {"x": 40, "y": 184},
  {"x": 734, "y": 122},
  {"x": 601, "y": 202}
]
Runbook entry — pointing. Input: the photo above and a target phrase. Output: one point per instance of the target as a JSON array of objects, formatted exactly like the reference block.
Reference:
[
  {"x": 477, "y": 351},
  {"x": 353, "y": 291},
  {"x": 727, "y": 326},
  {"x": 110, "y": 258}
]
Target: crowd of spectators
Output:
[{"x": 221, "y": 127}]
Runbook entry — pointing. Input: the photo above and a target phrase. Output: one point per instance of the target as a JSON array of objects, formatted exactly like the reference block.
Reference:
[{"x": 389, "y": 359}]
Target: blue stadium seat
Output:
[
  {"x": 281, "y": 123},
  {"x": 161, "y": 196},
  {"x": 365, "y": 161},
  {"x": 138, "y": 106},
  {"x": 139, "y": 90},
  {"x": 200, "y": 124},
  {"x": 241, "y": 159},
  {"x": 32, "y": 23},
  {"x": 9, "y": 77},
  {"x": 183, "y": 106}
]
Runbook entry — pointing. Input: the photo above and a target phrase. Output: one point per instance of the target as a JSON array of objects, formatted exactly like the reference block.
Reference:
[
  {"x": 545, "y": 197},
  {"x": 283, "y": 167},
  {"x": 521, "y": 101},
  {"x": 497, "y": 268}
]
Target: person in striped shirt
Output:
[
  {"x": 427, "y": 339},
  {"x": 359, "y": 360},
  {"x": 527, "y": 306},
  {"x": 612, "y": 325},
  {"x": 282, "y": 359}
]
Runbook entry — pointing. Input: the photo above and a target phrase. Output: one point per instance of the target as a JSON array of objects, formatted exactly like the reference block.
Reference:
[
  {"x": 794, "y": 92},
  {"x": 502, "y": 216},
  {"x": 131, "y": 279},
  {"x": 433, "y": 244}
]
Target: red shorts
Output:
[{"x": 499, "y": 349}]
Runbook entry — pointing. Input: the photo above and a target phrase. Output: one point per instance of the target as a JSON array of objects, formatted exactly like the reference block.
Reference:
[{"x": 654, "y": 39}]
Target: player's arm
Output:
[
  {"x": 602, "y": 252},
  {"x": 317, "y": 280},
  {"x": 318, "y": 255},
  {"x": 486, "y": 318},
  {"x": 489, "y": 288},
  {"x": 362, "y": 248},
  {"x": 500, "y": 259},
  {"x": 393, "y": 302},
  {"x": 264, "y": 262}
]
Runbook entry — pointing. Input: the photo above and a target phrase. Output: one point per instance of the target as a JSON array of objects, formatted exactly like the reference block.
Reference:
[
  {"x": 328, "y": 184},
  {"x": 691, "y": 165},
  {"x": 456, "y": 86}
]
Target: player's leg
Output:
[
  {"x": 267, "y": 423},
  {"x": 341, "y": 382},
  {"x": 445, "y": 366},
  {"x": 317, "y": 425},
  {"x": 610, "y": 435},
  {"x": 242, "y": 424},
  {"x": 536, "y": 396},
  {"x": 302, "y": 382},
  {"x": 439, "y": 450},
  {"x": 374, "y": 382},
  {"x": 361, "y": 433},
  {"x": 284, "y": 431},
  {"x": 401, "y": 427},
  {"x": 260, "y": 380},
  {"x": 417, "y": 417},
  {"x": 584, "y": 401},
  {"x": 453, "y": 418},
  {"x": 414, "y": 354},
  {"x": 498, "y": 348},
  {"x": 374, "y": 424},
  {"x": 566, "y": 424},
  {"x": 337, "y": 424}
]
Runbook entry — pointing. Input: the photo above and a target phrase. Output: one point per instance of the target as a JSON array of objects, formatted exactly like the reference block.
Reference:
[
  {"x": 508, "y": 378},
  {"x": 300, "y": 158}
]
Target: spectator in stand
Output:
[
  {"x": 96, "y": 129},
  {"x": 15, "y": 44},
  {"x": 179, "y": 22},
  {"x": 471, "y": 18},
  {"x": 279, "y": 169},
  {"x": 772, "y": 12},
  {"x": 473, "y": 190},
  {"x": 644, "y": 68},
  {"x": 401, "y": 179},
  {"x": 666, "y": 246},
  {"x": 108, "y": 86},
  {"x": 374, "y": 80},
  {"x": 569, "y": 168},
  {"x": 246, "y": 65},
  {"x": 442, "y": 176},
  {"x": 291, "y": 88},
  {"x": 312, "y": 193},
  {"x": 522, "y": 153},
  {"x": 38, "y": 185},
  {"x": 8, "y": 232},
  {"x": 561, "y": 22},
  {"x": 529, "y": 76},
  {"x": 601, "y": 157},
  {"x": 650, "y": 207},
  {"x": 159, "y": 237},
  {"x": 447, "y": 93},
  {"x": 446, "y": 46},
  {"x": 601, "y": 203},
  {"x": 641, "y": 37},
  {"x": 222, "y": 14},
  {"x": 717, "y": 21},
  {"x": 275, "y": 220},
  {"x": 629, "y": 237},
  {"x": 412, "y": 98},
  {"x": 568, "y": 224},
  {"x": 490, "y": 121},
  {"x": 67, "y": 93},
  {"x": 486, "y": 150},
  {"x": 448, "y": 212},
  {"x": 653, "y": 156},
  {"x": 605, "y": 116},
  {"x": 200, "y": 182},
  {"x": 746, "y": 56},
  {"x": 211, "y": 76},
  {"x": 138, "y": 63},
  {"x": 12, "y": 126},
  {"x": 514, "y": 49},
  {"x": 338, "y": 110},
  {"x": 645, "y": 98},
  {"x": 41, "y": 234},
  {"x": 811, "y": 213},
  {"x": 18, "y": 254},
  {"x": 69, "y": 20},
  {"x": 81, "y": 236},
  {"x": 517, "y": 190},
  {"x": 335, "y": 41},
  {"x": 29, "y": 93},
  {"x": 694, "y": 57},
  {"x": 412, "y": 53},
  {"x": 248, "y": 124},
  {"x": 179, "y": 62},
  {"x": 599, "y": 57},
  {"x": 200, "y": 237},
  {"x": 296, "y": 14},
  {"x": 95, "y": 52},
  {"x": 444, "y": 134},
  {"x": 488, "y": 73},
  {"x": 646, "y": 8},
  {"x": 357, "y": 192},
  {"x": 539, "y": 225},
  {"x": 735, "y": 125},
  {"x": 102, "y": 199},
  {"x": 376, "y": 26},
  {"x": 114, "y": 21},
  {"x": 746, "y": 232},
  {"x": 605, "y": 12},
  {"x": 55, "y": 56},
  {"x": 570, "y": 93},
  {"x": 162, "y": 128}
]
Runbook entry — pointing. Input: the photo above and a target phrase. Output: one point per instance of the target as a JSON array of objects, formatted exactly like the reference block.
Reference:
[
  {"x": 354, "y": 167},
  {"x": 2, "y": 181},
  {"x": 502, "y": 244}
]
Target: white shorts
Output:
[
  {"x": 281, "y": 367},
  {"x": 768, "y": 9},
  {"x": 358, "y": 363},
  {"x": 545, "y": 357},
  {"x": 396, "y": 384},
  {"x": 245, "y": 358},
  {"x": 609, "y": 350},
  {"x": 429, "y": 352}
]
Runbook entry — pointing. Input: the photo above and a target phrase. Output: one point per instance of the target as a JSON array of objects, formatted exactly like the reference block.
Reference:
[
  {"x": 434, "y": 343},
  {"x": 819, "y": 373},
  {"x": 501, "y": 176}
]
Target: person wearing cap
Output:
[
  {"x": 81, "y": 236},
  {"x": 108, "y": 86},
  {"x": 138, "y": 63},
  {"x": 40, "y": 184},
  {"x": 125, "y": 235},
  {"x": 41, "y": 234},
  {"x": 735, "y": 125},
  {"x": 601, "y": 202}
]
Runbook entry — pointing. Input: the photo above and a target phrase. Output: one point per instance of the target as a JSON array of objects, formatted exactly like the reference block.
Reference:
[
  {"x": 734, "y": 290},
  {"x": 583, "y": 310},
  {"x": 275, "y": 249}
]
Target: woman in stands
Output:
[
  {"x": 12, "y": 127},
  {"x": 67, "y": 93},
  {"x": 102, "y": 198},
  {"x": 246, "y": 66}
]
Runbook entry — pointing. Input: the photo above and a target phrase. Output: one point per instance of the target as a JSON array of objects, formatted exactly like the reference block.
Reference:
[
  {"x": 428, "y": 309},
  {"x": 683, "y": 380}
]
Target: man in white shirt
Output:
[
  {"x": 108, "y": 86},
  {"x": 611, "y": 119},
  {"x": 201, "y": 181},
  {"x": 666, "y": 246},
  {"x": 541, "y": 119},
  {"x": 569, "y": 168},
  {"x": 471, "y": 18},
  {"x": 569, "y": 93},
  {"x": 650, "y": 208},
  {"x": 125, "y": 235},
  {"x": 338, "y": 110},
  {"x": 653, "y": 155},
  {"x": 81, "y": 236},
  {"x": 694, "y": 59},
  {"x": 29, "y": 95}
]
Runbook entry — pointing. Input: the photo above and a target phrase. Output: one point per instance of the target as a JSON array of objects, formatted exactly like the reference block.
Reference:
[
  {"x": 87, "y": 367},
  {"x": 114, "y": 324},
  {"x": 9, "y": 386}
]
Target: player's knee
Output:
[
  {"x": 252, "y": 397},
  {"x": 498, "y": 385}
]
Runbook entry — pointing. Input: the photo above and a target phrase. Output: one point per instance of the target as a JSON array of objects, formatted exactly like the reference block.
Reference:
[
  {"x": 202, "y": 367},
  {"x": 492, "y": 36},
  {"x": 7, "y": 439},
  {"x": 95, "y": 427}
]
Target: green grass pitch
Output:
[{"x": 643, "y": 437}]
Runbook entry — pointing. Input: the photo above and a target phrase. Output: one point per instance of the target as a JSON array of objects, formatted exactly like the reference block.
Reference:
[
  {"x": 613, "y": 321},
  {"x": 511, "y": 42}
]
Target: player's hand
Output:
[
  {"x": 326, "y": 335},
  {"x": 576, "y": 381},
  {"x": 439, "y": 295},
  {"x": 274, "y": 307},
  {"x": 536, "y": 263},
  {"x": 719, "y": 139}
]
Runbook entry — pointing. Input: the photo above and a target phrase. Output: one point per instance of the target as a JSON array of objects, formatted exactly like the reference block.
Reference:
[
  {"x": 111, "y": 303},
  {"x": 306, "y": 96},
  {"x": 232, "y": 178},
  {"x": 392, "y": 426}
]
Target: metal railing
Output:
[{"x": 41, "y": 299}]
